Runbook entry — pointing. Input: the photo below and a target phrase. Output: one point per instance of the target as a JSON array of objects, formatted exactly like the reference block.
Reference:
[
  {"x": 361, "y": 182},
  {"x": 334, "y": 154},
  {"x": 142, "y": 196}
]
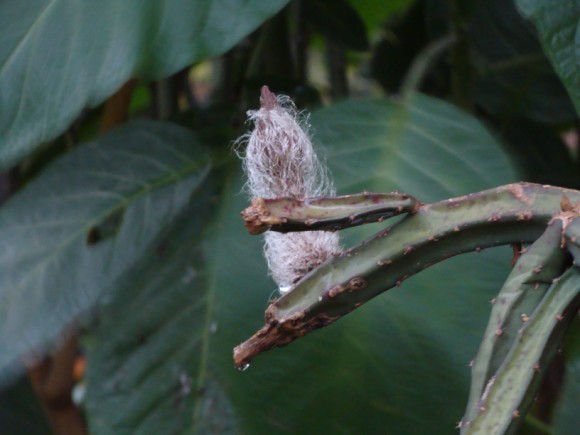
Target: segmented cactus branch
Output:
[
  {"x": 515, "y": 213},
  {"x": 531, "y": 278},
  {"x": 508, "y": 394},
  {"x": 324, "y": 213}
]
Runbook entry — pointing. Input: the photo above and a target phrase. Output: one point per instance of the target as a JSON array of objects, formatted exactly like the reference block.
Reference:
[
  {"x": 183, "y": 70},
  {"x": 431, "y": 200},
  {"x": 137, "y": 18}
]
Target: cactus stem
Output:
[
  {"x": 324, "y": 213},
  {"x": 525, "y": 211}
]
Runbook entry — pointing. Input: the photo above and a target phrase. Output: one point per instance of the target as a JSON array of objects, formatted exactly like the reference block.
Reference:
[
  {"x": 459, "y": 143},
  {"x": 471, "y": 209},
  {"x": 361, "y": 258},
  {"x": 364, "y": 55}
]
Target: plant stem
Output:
[
  {"x": 502, "y": 216},
  {"x": 461, "y": 69},
  {"x": 324, "y": 213},
  {"x": 336, "y": 60},
  {"x": 53, "y": 380},
  {"x": 421, "y": 65},
  {"x": 300, "y": 39},
  {"x": 117, "y": 107}
]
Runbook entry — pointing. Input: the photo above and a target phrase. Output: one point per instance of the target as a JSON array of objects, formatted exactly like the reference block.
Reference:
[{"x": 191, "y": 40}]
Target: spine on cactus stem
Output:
[{"x": 280, "y": 161}]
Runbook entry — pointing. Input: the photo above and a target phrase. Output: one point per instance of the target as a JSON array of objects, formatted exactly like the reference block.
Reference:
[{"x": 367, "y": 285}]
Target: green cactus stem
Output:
[
  {"x": 324, "y": 213},
  {"x": 509, "y": 393},
  {"x": 515, "y": 213},
  {"x": 524, "y": 289}
]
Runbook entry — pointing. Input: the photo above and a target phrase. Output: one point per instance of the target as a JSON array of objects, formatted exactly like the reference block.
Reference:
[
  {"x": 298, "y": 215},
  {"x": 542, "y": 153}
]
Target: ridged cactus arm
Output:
[
  {"x": 515, "y": 213},
  {"x": 524, "y": 289},
  {"x": 508, "y": 395},
  {"x": 324, "y": 213}
]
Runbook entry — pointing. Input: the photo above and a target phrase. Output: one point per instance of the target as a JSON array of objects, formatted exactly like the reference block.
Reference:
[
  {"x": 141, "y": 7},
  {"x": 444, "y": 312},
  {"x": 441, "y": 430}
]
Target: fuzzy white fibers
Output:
[{"x": 280, "y": 161}]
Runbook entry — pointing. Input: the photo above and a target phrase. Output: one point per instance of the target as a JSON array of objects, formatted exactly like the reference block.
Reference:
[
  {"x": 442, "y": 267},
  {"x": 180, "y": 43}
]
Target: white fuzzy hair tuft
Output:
[{"x": 280, "y": 161}]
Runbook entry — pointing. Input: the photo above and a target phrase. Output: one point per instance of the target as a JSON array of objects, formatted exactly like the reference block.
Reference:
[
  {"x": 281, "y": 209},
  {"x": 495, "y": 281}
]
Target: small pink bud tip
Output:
[{"x": 268, "y": 99}]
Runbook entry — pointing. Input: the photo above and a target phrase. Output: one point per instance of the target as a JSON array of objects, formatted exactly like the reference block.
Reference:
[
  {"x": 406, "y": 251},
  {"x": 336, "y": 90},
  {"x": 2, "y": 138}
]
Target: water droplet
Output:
[
  {"x": 244, "y": 367},
  {"x": 190, "y": 275}
]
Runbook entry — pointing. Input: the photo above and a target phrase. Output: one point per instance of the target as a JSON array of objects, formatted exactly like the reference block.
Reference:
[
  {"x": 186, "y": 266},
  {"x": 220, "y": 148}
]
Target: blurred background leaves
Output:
[{"x": 137, "y": 231}]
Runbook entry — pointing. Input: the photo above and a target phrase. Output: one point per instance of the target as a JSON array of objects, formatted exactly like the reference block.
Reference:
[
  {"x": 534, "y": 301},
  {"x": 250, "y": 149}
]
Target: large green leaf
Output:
[
  {"x": 163, "y": 358},
  {"x": 71, "y": 233},
  {"x": 151, "y": 339},
  {"x": 557, "y": 24},
  {"x": 59, "y": 56}
]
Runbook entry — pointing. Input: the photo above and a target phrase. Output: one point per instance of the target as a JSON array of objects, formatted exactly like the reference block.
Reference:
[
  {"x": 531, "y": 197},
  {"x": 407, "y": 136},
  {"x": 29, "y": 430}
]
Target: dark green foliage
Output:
[
  {"x": 133, "y": 238},
  {"x": 20, "y": 412}
]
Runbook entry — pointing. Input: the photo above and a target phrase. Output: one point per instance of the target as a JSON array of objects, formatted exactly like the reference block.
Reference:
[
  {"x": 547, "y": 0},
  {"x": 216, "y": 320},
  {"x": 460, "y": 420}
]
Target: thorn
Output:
[
  {"x": 471, "y": 363},
  {"x": 492, "y": 301},
  {"x": 407, "y": 250},
  {"x": 525, "y": 317},
  {"x": 559, "y": 317},
  {"x": 383, "y": 233},
  {"x": 537, "y": 367},
  {"x": 515, "y": 414},
  {"x": 566, "y": 204},
  {"x": 357, "y": 283},
  {"x": 498, "y": 332}
]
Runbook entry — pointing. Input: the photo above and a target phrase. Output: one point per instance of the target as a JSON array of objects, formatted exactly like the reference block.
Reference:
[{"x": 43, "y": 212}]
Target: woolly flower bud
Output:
[{"x": 279, "y": 162}]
